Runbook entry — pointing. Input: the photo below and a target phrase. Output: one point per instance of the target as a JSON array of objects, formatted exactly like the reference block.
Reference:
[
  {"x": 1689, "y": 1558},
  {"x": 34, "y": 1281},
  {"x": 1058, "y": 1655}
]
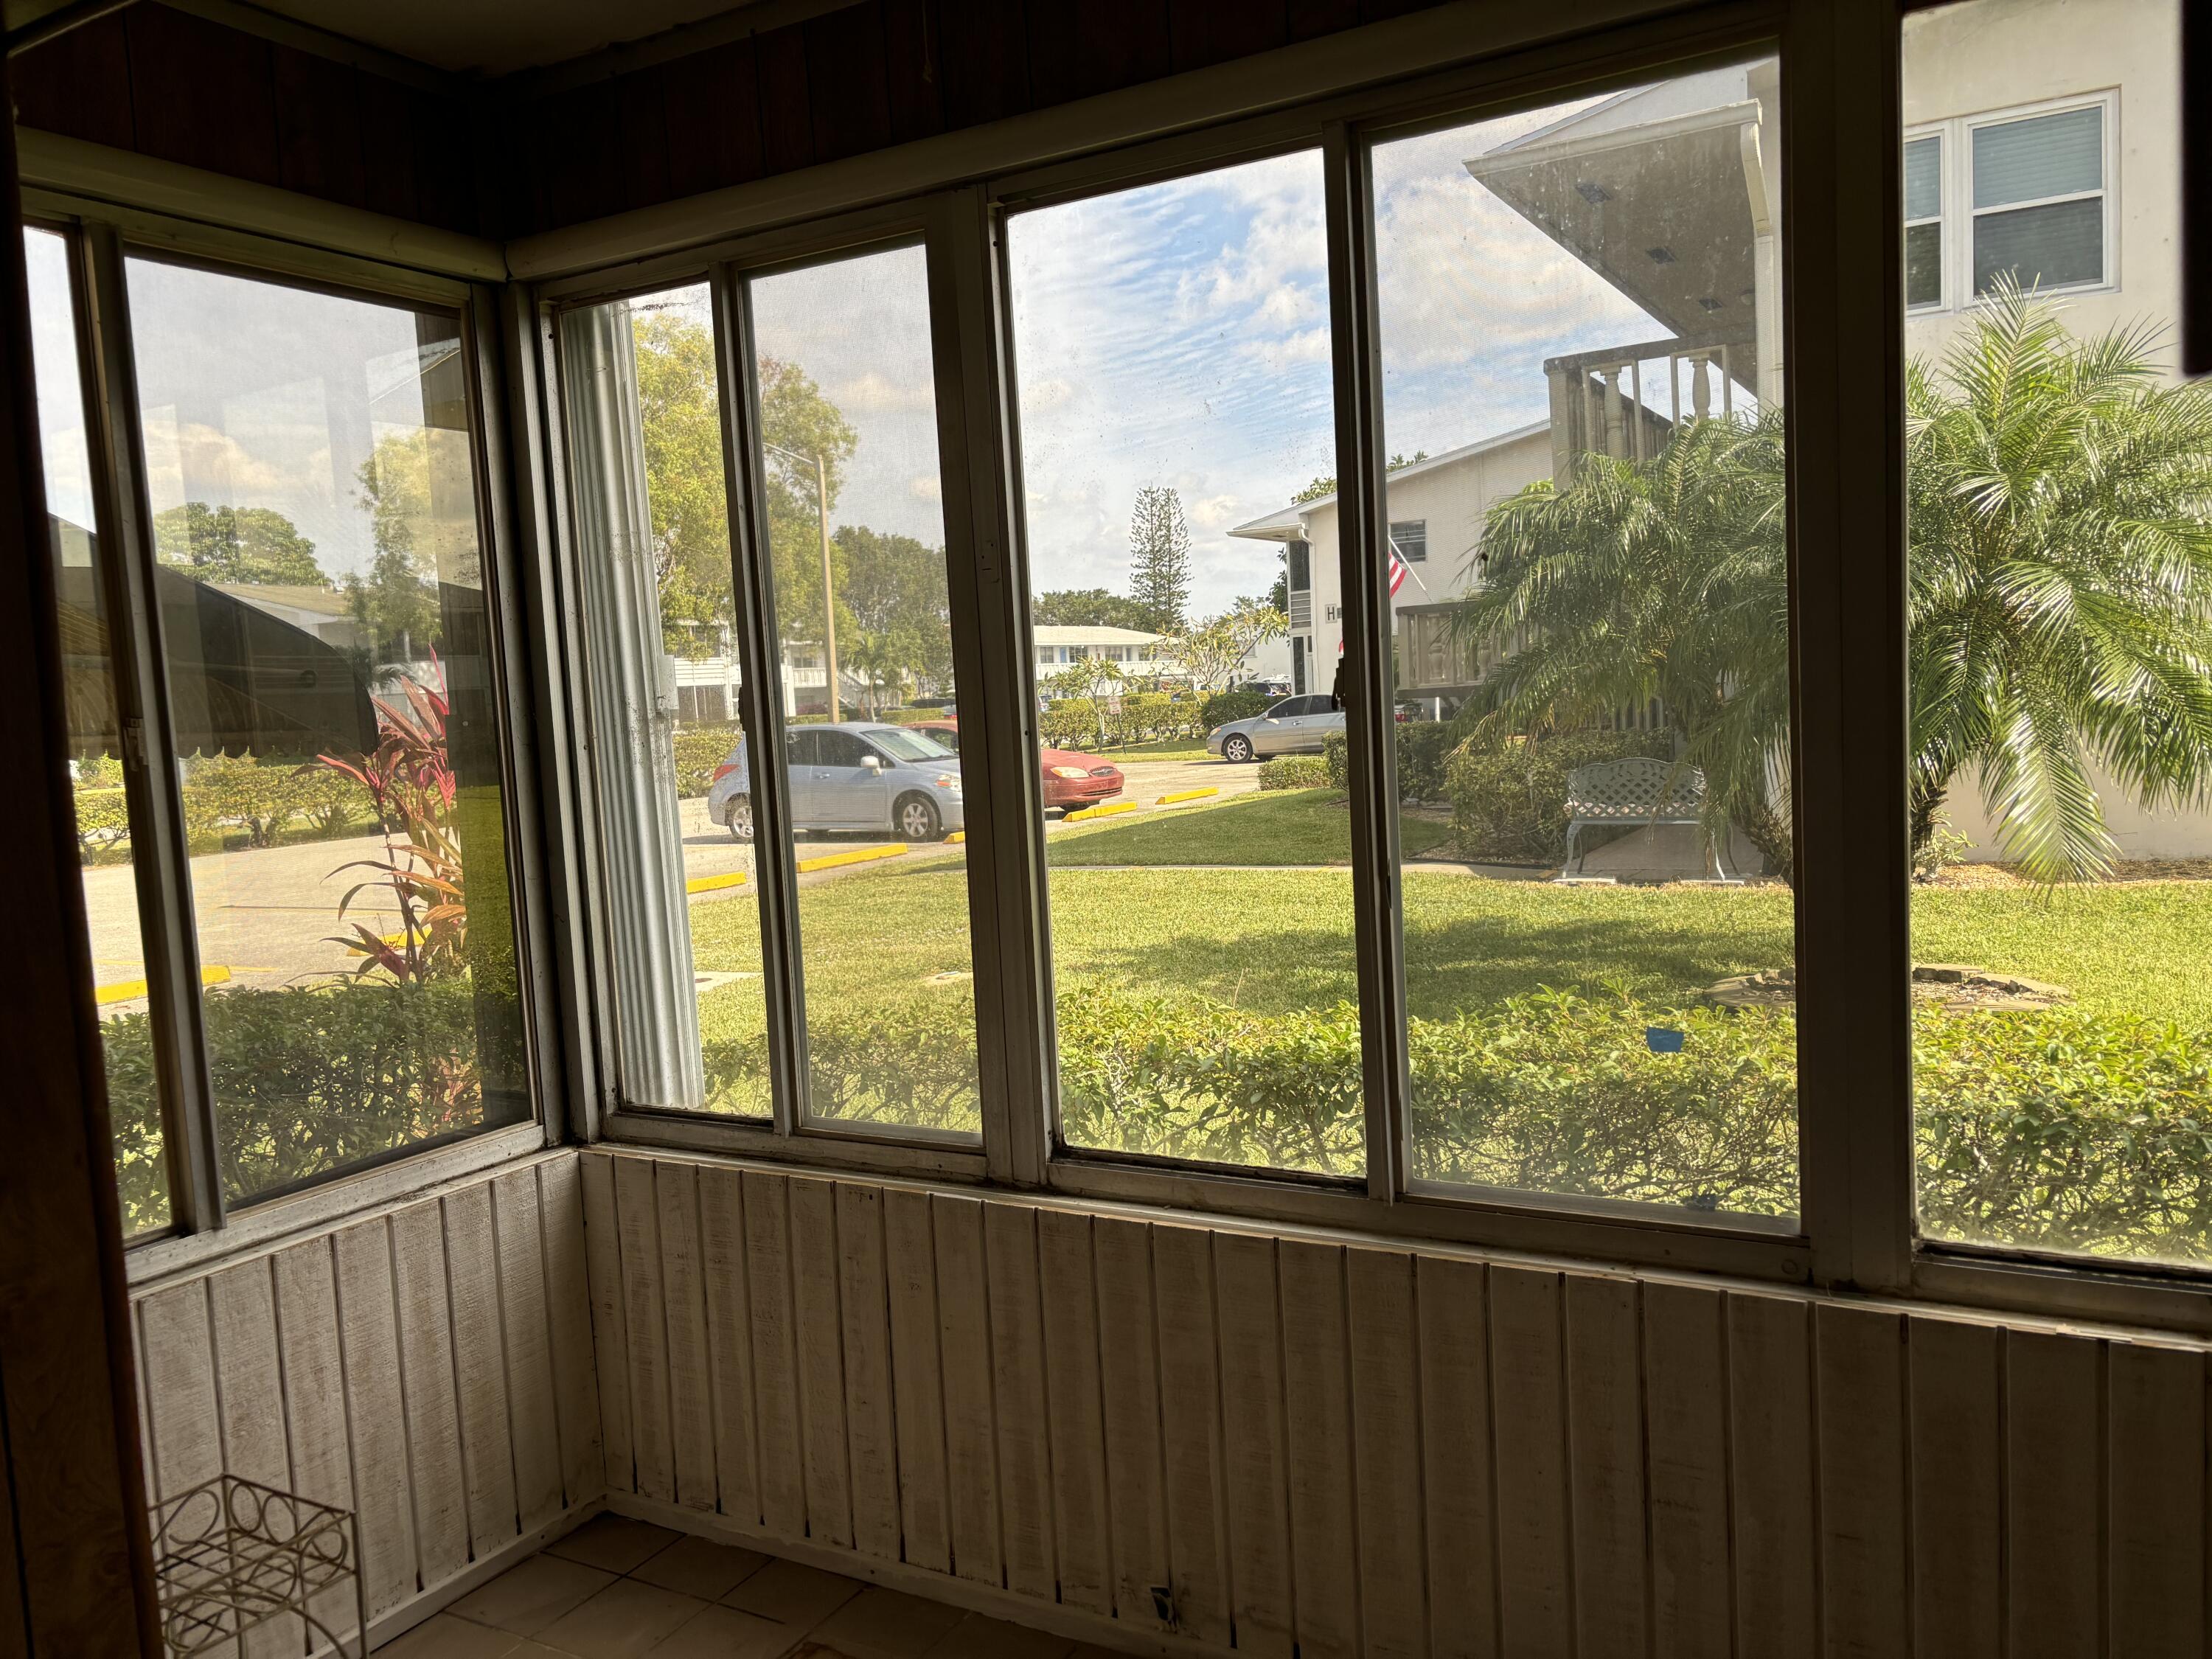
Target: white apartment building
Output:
[{"x": 2050, "y": 152}]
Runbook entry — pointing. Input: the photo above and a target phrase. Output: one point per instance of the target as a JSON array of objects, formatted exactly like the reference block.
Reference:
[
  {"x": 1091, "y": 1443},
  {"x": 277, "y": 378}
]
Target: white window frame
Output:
[
  {"x": 1945, "y": 145},
  {"x": 1958, "y": 213}
]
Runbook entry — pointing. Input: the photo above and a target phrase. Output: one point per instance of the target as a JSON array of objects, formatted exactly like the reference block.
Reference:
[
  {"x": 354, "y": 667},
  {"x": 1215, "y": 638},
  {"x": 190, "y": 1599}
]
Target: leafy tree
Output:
[
  {"x": 2059, "y": 591},
  {"x": 419, "y": 496},
  {"x": 1327, "y": 485},
  {"x": 1159, "y": 558},
  {"x": 678, "y": 402},
  {"x": 800, "y": 424},
  {"x": 893, "y": 589},
  {"x": 1089, "y": 607},
  {"x": 246, "y": 545},
  {"x": 1211, "y": 651}
]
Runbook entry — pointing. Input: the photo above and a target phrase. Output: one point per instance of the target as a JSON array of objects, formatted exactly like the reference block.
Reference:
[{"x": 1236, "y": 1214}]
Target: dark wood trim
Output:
[{"x": 66, "y": 1379}]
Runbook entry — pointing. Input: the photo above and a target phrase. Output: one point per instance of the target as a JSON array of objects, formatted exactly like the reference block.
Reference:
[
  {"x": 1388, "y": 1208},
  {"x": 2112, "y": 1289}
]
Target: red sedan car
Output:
[{"x": 1071, "y": 778}]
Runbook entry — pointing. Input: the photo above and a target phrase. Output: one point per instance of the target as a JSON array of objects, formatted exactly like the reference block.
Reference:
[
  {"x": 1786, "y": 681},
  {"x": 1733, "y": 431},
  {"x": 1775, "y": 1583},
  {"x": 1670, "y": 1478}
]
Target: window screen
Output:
[{"x": 2039, "y": 212}]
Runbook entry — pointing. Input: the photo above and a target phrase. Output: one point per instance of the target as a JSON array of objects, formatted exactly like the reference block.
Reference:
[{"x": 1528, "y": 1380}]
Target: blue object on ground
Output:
[{"x": 1661, "y": 1041}]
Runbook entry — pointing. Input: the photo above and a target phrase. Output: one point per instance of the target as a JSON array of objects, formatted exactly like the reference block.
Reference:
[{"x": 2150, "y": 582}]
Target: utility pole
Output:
[{"x": 829, "y": 604}]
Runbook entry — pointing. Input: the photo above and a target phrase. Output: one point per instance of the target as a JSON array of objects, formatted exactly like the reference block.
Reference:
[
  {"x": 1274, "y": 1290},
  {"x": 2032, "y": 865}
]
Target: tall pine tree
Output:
[{"x": 1159, "y": 558}]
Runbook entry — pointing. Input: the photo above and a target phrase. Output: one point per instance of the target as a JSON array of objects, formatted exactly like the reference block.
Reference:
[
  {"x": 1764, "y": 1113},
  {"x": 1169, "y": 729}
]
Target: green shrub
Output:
[
  {"x": 1509, "y": 800},
  {"x": 1070, "y": 723},
  {"x": 1294, "y": 772},
  {"x": 103, "y": 819},
  {"x": 913, "y": 1064},
  {"x": 1225, "y": 706},
  {"x": 699, "y": 750},
  {"x": 1425, "y": 748},
  {"x": 308, "y": 1078}
]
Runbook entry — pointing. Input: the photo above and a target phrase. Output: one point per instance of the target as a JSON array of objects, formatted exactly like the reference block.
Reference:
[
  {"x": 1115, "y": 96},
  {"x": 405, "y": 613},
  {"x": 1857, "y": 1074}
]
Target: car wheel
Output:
[
  {"x": 1236, "y": 747},
  {"x": 737, "y": 818},
  {"x": 916, "y": 818}
]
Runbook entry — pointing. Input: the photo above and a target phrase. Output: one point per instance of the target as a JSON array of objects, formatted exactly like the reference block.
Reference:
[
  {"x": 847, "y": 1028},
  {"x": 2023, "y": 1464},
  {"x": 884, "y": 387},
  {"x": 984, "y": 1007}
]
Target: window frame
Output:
[
  {"x": 1842, "y": 130},
  {"x": 101, "y": 238},
  {"x": 1958, "y": 215}
]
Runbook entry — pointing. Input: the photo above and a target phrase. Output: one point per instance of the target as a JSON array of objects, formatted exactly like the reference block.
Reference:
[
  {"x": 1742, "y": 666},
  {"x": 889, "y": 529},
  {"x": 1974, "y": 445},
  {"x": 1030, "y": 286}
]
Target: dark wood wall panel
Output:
[
  {"x": 500, "y": 159},
  {"x": 181, "y": 89}
]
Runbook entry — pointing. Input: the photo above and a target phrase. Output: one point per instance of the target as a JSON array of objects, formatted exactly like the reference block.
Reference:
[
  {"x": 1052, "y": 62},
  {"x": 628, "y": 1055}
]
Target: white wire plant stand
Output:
[{"x": 231, "y": 1554}]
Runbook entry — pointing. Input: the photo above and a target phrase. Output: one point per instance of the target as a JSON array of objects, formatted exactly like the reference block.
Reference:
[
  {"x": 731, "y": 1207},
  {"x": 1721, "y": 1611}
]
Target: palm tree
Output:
[
  {"x": 2059, "y": 592},
  {"x": 2060, "y": 586},
  {"x": 1663, "y": 579}
]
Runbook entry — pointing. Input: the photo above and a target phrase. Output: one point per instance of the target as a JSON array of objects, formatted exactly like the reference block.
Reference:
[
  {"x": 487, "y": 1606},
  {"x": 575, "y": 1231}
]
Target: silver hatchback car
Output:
[
  {"x": 852, "y": 776},
  {"x": 1294, "y": 725}
]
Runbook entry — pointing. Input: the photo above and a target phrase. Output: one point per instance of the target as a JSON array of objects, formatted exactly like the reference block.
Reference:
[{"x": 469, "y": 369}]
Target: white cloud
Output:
[
  {"x": 925, "y": 487},
  {"x": 1215, "y": 512},
  {"x": 874, "y": 393}
]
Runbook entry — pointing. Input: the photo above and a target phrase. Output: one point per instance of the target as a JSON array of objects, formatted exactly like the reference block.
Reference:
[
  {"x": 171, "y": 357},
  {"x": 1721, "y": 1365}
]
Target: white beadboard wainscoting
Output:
[
  {"x": 427, "y": 1363},
  {"x": 1181, "y": 1435}
]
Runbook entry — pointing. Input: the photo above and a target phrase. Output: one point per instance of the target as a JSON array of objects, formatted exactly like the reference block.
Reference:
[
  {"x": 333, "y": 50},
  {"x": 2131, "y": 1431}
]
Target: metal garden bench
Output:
[{"x": 1637, "y": 792}]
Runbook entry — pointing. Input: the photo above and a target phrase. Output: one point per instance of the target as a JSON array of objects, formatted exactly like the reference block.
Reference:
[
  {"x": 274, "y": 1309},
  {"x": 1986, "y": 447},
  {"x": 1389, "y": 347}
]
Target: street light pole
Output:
[{"x": 829, "y": 604}]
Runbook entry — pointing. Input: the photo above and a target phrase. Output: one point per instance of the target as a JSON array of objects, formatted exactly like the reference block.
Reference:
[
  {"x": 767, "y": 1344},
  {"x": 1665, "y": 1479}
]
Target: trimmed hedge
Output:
[
  {"x": 1424, "y": 748},
  {"x": 1132, "y": 718},
  {"x": 699, "y": 750},
  {"x": 1224, "y": 707},
  {"x": 1294, "y": 772}
]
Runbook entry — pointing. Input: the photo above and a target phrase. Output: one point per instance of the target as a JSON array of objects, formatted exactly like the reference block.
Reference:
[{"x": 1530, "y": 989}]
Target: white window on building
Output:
[
  {"x": 1411, "y": 538},
  {"x": 2036, "y": 187},
  {"x": 1923, "y": 221}
]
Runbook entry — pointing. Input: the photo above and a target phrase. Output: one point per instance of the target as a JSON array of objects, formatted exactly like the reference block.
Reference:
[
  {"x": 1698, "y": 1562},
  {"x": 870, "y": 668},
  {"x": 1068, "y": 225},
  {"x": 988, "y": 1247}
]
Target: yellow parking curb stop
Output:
[
  {"x": 1185, "y": 794},
  {"x": 131, "y": 990},
  {"x": 715, "y": 884},
  {"x": 1108, "y": 810},
  {"x": 858, "y": 855}
]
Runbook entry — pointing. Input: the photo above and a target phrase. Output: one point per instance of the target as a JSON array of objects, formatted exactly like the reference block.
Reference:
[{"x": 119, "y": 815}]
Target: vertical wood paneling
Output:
[
  {"x": 690, "y": 1393},
  {"x": 713, "y": 118},
  {"x": 2054, "y": 1491},
  {"x": 427, "y": 1385},
  {"x": 1864, "y": 1573},
  {"x": 610, "y": 1325},
  {"x": 527, "y": 1332},
  {"x": 78, "y": 83},
  {"x": 637, "y": 1235},
  {"x": 1078, "y": 51},
  {"x": 319, "y": 149},
  {"x": 584, "y": 1463},
  {"x": 314, "y": 1394},
  {"x": 910, "y": 41},
  {"x": 1685, "y": 1425},
  {"x": 821, "y": 1343},
  {"x": 776, "y": 1359},
  {"x": 480, "y": 1368},
  {"x": 1454, "y": 1302},
  {"x": 1068, "y": 1286},
  {"x": 1205, "y": 32},
  {"x": 1957, "y": 1584},
  {"x": 917, "y": 1379},
  {"x": 870, "y": 1422},
  {"x": 250, "y": 1386},
  {"x": 786, "y": 121},
  {"x": 1605, "y": 1467},
  {"x": 186, "y": 1418},
  {"x": 729, "y": 1341},
  {"x": 1771, "y": 1461},
  {"x": 985, "y": 61},
  {"x": 1190, "y": 1413},
  {"x": 1526, "y": 1387},
  {"x": 1129, "y": 1406},
  {"x": 1317, "y": 1413},
  {"x": 848, "y": 91},
  {"x": 1018, "y": 1385},
  {"x": 2155, "y": 1407},
  {"x": 1253, "y": 1442},
  {"x": 964, "y": 1347},
  {"x": 175, "y": 60},
  {"x": 387, "y": 133},
  {"x": 1385, "y": 1415},
  {"x": 368, "y": 1364}
]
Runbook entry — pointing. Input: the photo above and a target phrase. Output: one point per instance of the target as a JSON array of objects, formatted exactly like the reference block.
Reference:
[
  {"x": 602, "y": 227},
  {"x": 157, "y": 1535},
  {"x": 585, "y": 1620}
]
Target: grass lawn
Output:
[{"x": 1280, "y": 938}]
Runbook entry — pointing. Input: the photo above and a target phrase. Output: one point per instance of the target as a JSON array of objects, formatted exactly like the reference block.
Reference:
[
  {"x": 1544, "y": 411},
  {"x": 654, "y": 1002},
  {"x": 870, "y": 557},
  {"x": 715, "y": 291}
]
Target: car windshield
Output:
[{"x": 909, "y": 745}]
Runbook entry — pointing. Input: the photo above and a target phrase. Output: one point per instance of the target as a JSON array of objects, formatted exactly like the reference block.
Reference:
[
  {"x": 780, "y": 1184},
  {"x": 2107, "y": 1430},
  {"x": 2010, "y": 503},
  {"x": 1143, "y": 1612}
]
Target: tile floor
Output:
[{"x": 618, "y": 1588}]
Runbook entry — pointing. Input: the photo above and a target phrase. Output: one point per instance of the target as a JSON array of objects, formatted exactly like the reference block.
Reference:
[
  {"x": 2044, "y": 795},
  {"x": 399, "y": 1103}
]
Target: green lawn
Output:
[
  {"x": 1280, "y": 938},
  {"x": 1302, "y": 826}
]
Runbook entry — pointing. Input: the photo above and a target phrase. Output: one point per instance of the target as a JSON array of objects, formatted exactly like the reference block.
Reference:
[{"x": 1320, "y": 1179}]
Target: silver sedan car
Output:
[
  {"x": 852, "y": 776},
  {"x": 1293, "y": 727}
]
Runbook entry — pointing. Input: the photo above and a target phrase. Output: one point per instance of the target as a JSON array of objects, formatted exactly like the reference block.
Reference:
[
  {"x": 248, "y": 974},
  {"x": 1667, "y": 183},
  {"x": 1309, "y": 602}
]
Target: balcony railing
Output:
[{"x": 1599, "y": 406}]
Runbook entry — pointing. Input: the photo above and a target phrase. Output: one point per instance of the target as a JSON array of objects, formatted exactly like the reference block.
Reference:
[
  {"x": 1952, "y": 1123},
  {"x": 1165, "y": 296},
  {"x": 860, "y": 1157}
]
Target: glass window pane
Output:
[
  {"x": 311, "y": 469},
  {"x": 651, "y": 516},
  {"x": 2046, "y": 156},
  {"x": 849, "y": 423},
  {"x": 2060, "y": 537},
  {"x": 1924, "y": 264},
  {"x": 1171, "y": 346},
  {"x": 1580, "y": 315},
  {"x": 2049, "y": 246},
  {"x": 103, "y": 822},
  {"x": 1924, "y": 179}
]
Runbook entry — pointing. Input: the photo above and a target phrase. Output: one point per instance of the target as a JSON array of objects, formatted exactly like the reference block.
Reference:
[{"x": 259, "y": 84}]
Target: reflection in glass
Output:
[
  {"x": 1172, "y": 351},
  {"x": 310, "y": 468},
  {"x": 856, "y": 538},
  {"x": 2059, "y": 534},
  {"x": 651, "y": 519},
  {"x": 96, "y": 754},
  {"x": 1583, "y": 389}
]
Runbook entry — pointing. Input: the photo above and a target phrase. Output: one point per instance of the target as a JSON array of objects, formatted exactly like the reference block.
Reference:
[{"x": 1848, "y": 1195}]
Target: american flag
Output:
[{"x": 1400, "y": 570}]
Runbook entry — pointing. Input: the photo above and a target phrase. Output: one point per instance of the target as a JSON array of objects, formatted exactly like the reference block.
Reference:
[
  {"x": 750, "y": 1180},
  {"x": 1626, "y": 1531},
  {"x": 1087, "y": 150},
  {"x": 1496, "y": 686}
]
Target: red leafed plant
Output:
[{"x": 410, "y": 781}]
